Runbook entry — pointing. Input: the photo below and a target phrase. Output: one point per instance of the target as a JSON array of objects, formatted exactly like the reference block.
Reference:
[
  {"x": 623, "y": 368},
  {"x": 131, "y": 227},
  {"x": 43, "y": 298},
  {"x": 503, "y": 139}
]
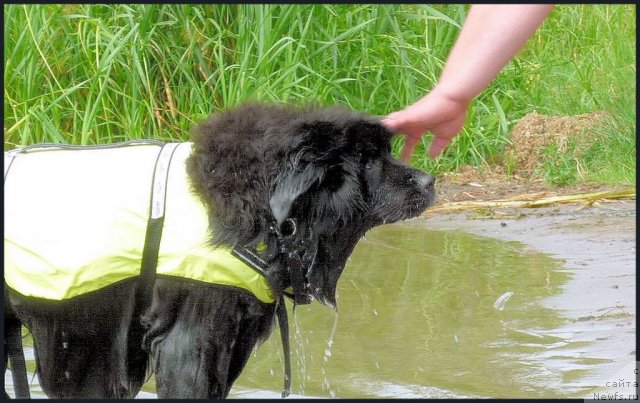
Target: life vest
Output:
[{"x": 76, "y": 219}]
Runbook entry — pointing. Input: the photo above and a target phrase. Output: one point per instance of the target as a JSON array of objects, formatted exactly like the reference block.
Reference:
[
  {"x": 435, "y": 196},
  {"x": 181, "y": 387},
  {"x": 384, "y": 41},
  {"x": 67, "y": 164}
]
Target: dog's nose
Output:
[{"x": 425, "y": 180}]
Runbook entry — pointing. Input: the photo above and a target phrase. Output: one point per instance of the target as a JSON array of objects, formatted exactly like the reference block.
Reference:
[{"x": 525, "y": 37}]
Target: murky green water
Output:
[{"x": 427, "y": 314}]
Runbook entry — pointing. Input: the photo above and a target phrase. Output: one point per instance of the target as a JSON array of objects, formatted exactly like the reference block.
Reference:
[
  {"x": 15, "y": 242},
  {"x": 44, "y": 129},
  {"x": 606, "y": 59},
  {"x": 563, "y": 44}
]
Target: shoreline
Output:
[{"x": 597, "y": 248}]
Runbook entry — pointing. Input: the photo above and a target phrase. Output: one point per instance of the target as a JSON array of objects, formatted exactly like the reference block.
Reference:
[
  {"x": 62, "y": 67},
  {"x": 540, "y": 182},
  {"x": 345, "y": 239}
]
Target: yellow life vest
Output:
[{"x": 75, "y": 222}]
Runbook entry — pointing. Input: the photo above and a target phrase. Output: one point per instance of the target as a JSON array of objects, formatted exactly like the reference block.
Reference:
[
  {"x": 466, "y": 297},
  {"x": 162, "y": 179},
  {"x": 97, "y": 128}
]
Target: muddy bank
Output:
[{"x": 597, "y": 247}]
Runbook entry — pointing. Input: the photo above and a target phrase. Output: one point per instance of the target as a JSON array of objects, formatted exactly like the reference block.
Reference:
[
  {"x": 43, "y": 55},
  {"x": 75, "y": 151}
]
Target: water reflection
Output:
[{"x": 427, "y": 314}]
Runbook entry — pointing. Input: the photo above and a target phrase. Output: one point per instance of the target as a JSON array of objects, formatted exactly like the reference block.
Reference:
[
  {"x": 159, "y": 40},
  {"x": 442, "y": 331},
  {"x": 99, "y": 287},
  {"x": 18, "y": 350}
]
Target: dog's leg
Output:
[
  {"x": 254, "y": 329},
  {"x": 81, "y": 344},
  {"x": 13, "y": 351},
  {"x": 210, "y": 339}
]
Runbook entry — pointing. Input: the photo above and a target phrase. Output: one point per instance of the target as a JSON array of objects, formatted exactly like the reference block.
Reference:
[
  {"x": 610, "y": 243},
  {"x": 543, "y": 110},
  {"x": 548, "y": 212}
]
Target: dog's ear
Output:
[
  {"x": 320, "y": 146},
  {"x": 291, "y": 184}
]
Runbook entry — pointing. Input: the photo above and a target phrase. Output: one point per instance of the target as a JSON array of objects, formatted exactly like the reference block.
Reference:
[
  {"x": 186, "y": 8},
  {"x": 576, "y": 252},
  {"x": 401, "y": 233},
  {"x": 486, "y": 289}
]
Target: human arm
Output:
[{"x": 490, "y": 37}]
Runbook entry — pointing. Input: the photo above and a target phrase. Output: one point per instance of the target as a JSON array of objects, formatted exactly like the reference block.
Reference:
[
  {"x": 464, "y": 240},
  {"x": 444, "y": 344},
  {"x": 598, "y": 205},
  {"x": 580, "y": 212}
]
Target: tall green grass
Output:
[{"x": 88, "y": 74}]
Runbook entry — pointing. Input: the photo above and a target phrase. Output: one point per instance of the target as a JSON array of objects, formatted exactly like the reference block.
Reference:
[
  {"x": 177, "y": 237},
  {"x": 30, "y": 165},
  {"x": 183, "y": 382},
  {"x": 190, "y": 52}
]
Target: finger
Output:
[
  {"x": 409, "y": 145},
  {"x": 444, "y": 133},
  {"x": 450, "y": 128},
  {"x": 437, "y": 145},
  {"x": 401, "y": 121},
  {"x": 395, "y": 121},
  {"x": 390, "y": 123}
]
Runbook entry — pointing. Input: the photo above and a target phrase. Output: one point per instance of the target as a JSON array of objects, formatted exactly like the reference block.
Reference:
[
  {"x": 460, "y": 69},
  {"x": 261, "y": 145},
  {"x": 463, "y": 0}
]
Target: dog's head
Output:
[{"x": 327, "y": 172}]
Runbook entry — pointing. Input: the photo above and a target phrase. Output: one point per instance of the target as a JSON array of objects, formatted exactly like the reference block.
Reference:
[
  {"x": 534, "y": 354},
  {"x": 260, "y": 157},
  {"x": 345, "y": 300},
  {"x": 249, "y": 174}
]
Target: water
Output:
[
  {"x": 427, "y": 314},
  {"x": 432, "y": 314}
]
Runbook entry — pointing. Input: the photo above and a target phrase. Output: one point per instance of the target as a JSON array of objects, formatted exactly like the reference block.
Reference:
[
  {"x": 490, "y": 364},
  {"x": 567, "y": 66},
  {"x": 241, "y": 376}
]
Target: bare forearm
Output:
[{"x": 491, "y": 36}]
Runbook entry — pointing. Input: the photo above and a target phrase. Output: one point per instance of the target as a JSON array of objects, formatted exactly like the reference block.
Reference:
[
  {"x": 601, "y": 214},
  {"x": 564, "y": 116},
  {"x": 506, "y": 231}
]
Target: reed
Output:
[{"x": 87, "y": 74}]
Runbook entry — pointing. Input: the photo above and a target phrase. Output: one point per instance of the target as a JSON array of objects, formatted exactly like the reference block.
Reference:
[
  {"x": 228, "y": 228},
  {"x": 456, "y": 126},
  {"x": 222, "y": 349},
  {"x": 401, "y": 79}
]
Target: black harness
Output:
[
  {"x": 13, "y": 348},
  {"x": 295, "y": 266}
]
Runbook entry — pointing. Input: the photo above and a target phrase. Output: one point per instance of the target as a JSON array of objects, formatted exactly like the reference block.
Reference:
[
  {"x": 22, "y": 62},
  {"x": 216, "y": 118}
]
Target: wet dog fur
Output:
[{"x": 256, "y": 166}]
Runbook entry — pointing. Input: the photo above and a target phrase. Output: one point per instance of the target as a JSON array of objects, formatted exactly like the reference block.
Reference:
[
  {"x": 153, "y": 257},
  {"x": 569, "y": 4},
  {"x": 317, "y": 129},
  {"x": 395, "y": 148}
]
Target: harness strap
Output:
[
  {"x": 254, "y": 261},
  {"x": 283, "y": 321},
  {"x": 294, "y": 265},
  {"x": 289, "y": 246},
  {"x": 251, "y": 258},
  {"x": 146, "y": 279},
  {"x": 13, "y": 344},
  {"x": 155, "y": 223}
]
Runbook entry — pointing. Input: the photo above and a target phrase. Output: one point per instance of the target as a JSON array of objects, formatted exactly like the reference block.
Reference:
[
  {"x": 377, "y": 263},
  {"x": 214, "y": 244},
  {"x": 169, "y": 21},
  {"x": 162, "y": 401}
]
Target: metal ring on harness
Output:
[{"x": 287, "y": 228}]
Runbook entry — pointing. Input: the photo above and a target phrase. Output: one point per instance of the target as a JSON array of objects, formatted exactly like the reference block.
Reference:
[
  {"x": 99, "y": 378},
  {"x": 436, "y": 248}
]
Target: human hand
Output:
[{"x": 437, "y": 113}]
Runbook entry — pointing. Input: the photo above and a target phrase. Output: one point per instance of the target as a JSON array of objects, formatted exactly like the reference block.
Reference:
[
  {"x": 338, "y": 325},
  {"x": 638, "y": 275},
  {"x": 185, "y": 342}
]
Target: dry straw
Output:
[{"x": 534, "y": 200}]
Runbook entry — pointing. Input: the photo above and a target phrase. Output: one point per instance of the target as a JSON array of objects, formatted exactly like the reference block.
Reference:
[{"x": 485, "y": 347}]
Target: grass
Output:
[
  {"x": 89, "y": 74},
  {"x": 560, "y": 168}
]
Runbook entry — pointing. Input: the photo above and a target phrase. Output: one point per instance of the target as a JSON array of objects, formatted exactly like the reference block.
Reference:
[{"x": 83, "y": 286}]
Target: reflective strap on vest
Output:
[
  {"x": 153, "y": 234},
  {"x": 8, "y": 160},
  {"x": 160, "y": 175}
]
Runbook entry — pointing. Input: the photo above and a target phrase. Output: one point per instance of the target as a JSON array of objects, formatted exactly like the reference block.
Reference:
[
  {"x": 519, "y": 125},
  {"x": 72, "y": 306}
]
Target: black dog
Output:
[{"x": 295, "y": 188}]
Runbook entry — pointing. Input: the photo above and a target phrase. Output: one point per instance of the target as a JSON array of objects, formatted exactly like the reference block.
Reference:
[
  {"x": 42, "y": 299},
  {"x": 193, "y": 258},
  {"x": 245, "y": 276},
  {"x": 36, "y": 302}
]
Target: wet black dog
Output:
[{"x": 328, "y": 173}]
